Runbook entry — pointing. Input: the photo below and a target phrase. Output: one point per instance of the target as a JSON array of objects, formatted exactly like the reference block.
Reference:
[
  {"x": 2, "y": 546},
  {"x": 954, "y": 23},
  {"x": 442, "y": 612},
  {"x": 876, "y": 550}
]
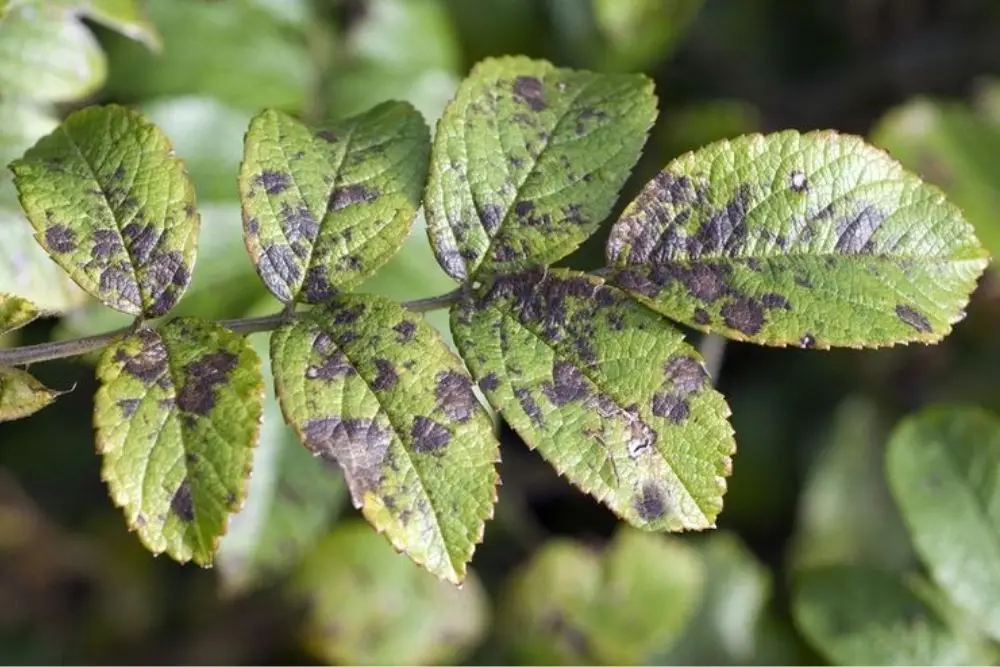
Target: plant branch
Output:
[{"x": 32, "y": 354}]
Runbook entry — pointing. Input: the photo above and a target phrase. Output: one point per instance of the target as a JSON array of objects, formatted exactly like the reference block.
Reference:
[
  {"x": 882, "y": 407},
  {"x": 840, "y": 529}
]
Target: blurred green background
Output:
[{"x": 298, "y": 579}]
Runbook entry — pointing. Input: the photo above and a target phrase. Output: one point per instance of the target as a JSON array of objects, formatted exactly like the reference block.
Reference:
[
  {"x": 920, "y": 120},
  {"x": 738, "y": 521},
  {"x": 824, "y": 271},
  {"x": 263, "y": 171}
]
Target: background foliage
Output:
[{"x": 811, "y": 525}]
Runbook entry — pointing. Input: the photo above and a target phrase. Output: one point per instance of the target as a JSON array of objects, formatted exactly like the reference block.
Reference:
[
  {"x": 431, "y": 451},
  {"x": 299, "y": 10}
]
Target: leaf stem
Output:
[
  {"x": 32, "y": 354},
  {"x": 712, "y": 349}
]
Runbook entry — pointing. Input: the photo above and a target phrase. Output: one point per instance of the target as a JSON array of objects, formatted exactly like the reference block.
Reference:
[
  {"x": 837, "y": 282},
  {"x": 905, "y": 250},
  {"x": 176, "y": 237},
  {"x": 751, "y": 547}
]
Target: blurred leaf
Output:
[
  {"x": 815, "y": 240},
  {"x": 727, "y": 628},
  {"x": 860, "y": 616},
  {"x": 867, "y": 530},
  {"x": 942, "y": 467},
  {"x": 607, "y": 391},
  {"x": 113, "y": 207},
  {"x": 522, "y": 169},
  {"x": 291, "y": 500},
  {"x": 698, "y": 124},
  {"x": 369, "y": 385},
  {"x": 495, "y": 27},
  {"x": 124, "y": 16},
  {"x": 295, "y": 12},
  {"x": 949, "y": 145},
  {"x": 323, "y": 209},
  {"x": 177, "y": 416},
  {"x": 233, "y": 51},
  {"x": 22, "y": 395},
  {"x": 570, "y": 605},
  {"x": 15, "y": 312},
  {"x": 208, "y": 136},
  {"x": 27, "y": 271},
  {"x": 640, "y": 33},
  {"x": 47, "y": 55},
  {"x": 397, "y": 613},
  {"x": 21, "y": 125}
]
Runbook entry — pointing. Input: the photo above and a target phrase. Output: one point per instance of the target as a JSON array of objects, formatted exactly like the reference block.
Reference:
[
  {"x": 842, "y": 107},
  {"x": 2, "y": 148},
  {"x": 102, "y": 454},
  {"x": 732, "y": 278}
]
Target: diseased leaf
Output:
[
  {"x": 15, "y": 312},
  {"x": 21, "y": 395},
  {"x": 47, "y": 55},
  {"x": 113, "y": 207},
  {"x": 815, "y": 240},
  {"x": 942, "y": 467},
  {"x": 606, "y": 390},
  {"x": 570, "y": 605},
  {"x": 860, "y": 616},
  {"x": 291, "y": 499},
  {"x": 27, "y": 271},
  {"x": 398, "y": 614},
  {"x": 372, "y": 386},
  {"x": 323, "y": 209},
  {"x": 528, "y": 160},
  {"x": 177, "y": 416}
]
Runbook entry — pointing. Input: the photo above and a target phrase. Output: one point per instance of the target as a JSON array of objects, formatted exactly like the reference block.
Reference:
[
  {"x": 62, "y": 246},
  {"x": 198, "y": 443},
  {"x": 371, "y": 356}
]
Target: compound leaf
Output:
[
  {"x": 21, "y": 395},
  {"x": 373, "y": 387},
  {"x": 528, "y": 160},
  {"x": 113, "y": 207},
  {"x": 322, "y": 210},
  {"x": 15, "y": 312},
  {"x": 815, "y": 240},
  {"x": 177, "y": 416},
  {"x": 606, "y": 390},
  {"x": 942, "y": 467}
]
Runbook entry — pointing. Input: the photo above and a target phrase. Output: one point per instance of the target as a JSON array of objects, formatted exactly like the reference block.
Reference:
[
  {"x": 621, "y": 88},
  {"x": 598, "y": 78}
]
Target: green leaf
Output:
[
  {"x": 126, "y": 17},
  {"x": 323, "y": 209},
  {"x": 815, "y": 240},
  {"x": 177, "y": 416},
  {"x": 528, "y": 160},
  {"x": 21, "y": 125},
  {"x": 942, "y": 468},
  {"x": 398, "y": 614},
  {"x": 27, "y": 271},
  {"x": 860, "y": 616},
  {"x": 639, "y": 33},
  {"x": 954, "y": 148},
  {"x": 21, "y": 395},
  {"x": 372, "y": 386},
  {"x": 113, "y": 207},
  {"x": 15, "y": 312},
  {"x": 291, "y": 500},
  {"x": 606, "y": 390},
  {"x": 47, "y": 55},
  {"x": 569, "y": 605}
]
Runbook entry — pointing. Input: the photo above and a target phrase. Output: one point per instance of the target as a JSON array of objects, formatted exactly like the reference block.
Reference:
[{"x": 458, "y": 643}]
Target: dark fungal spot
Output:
[
  {"x": 529, "y": 406},
  {"x": 705, "y": 282},
  {"x": 60, "y": 238},
  {"x": 149, "y": 364},
  {"x": 358, "y": 445},
  {"x": 334, "y": 366},
  {"x": 192, "y": 457},
  {"x": 754, "y": 264},
  {"x": 774, "y": 301},
  {"x": 316, "y": 286},
  {"x": 115, "y": 280},
  {"x": 671, "y": 407},
  {"x": 650, "y": 503},
  {"x": 803, "y": 281},
  {"x": 352, "y": 194},
  {"x": 808, "y": 341},
  {"x": 685, "y": 374},
  {"x": 914, "y": 318},
  {"x": 328, "y": 136},
  {"x": 405, "y": 331},
  {"x": 798, "y": 182},
  {"x": 568, "y": 384},
  {"x": 855, "y": 234},
  {"x": 279, "y": 269},
  {"x": 453, "y": 391},
  {"x": 128, "y": 406},
  {"x": 298, "y": 224},
  {"x": 528, "y": 90},
  {"x": 489, "y": 382},
  {"x": 348, "y": 314},
  {"x": 182, "y": 504},
  {"x": 701, "y": 317},
  {"x": 386, "y": 376},
  {"x": 201, "y": 378},
  {"x": 744, "y": 315},
  {"x": 725, "y": 231},
  {"x": 118, "y": 174},
  {"x": 273, "y": 182},
  {"x": 107, "y": 243},
  {"x": 524, "y": 208},
  {"x": 490, "y": 217},
  {"x": 253, "y": 226},
  {"x": 141, "y": 240},
  {"x": 428, "y": 435}
]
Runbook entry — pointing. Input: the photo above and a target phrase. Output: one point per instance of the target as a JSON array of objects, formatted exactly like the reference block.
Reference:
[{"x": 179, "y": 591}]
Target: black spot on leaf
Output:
[
  {"x": 347, "y": 314},
  {"x": 428, "y": 435},
  {"x": 182, "y": 504},
  {"x": 528, "y": 90},
  {"x": 60, "y": 238},
  {"x": 148, "y": 364},
  {"x": 328, "y": 136},
  {"x": 854, "y": 234},
  {"x": 141, "y": 240},
  {"x": 701, "y": 317},
  {"x": 279, "y": 269},
  {"x": 744, "y": 315},
  {"x": 453, "y": 391},
  {"x": 671, "y": 407},
  {"x": 529, "y": 406},
  {"x": 808, "y": 341},
  {"x": 405, "y": 331},
  {"x": 386, "y": 376},
  {"x": 358, "y": 445},
  {"x": 914, "y": 318},
  {"x": 115, "y": 280},
  {"x": 490, "y": 218},
  {"x": 650, "y": 503},
  {"x": 107, "y": 243},
  {"x": 351, "y": 194},
  {"x": 201, "y": 377},
  {"x": 685, "y": 374},
  {"x": 725, "y": 231},
  {"x": 128, "y": 406},
  {"x": 334, "y": 366},
  {"x": 524, "y": 208},
  {"x": 316, "y": 287},
  {"x": 568, "y": 384},
  {"x": 273, "y": 182},
  {"x": 489, "y": 382},
  {"x": 773, "y": 301},
  {"x": 298, "y": 224},
  {"x": 253, "y": 226}
]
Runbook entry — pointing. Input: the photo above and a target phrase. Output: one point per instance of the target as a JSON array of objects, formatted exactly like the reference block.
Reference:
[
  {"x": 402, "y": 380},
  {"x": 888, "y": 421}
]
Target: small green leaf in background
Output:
[
  {"x": 15, "y": 312},
  {"x": 26, "y": 270},
  {"x": 528, "y": 160},
  {"x": 942, "y": 466},
  {"x": 323, "y": 209},
  {"x": 372, "y": 606},
  {"x": 859, "y": 616},
  {"x": 177, "y": 416},
  {"x": 113, "y": 207},
  {"x": 572, "y": 605},
  {"x": 954, "y": 147},
  {"x": 371, "y": 386},
  {"x": 124, "y": 16},
  {"x": 21, "y": 395},
  {"x": 639, "y": 33},
  {"x": 606, "y": 390},
  {"x": 815, "y": 240},
  {"x": 21, "y": 125},
  {"x": 48, "y": 55},
  {"x": 851, "y": 464},
  {"x": 291, "y": 500}
]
